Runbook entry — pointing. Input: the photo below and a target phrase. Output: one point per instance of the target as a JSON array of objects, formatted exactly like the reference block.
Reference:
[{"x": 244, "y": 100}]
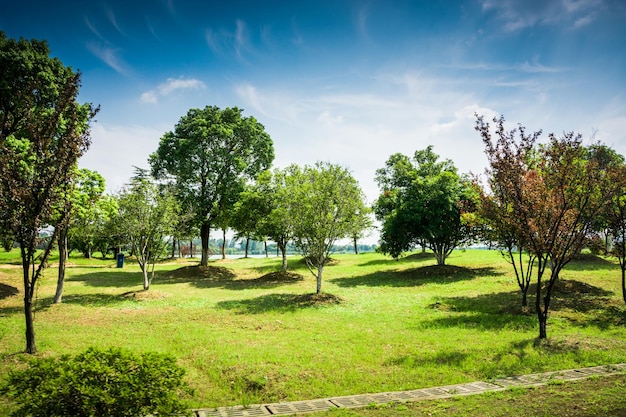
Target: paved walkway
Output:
[{"x": 355, "y": 401}]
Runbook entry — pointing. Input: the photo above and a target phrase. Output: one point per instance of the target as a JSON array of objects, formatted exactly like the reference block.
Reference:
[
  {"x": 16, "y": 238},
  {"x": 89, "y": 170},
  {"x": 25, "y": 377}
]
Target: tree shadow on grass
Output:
[
  {"x": 117, "y": 279},
  {"x": 9, "y": 311},
  {"x": 414, "y": 257},
  {"x": 581, "y": 303},
  {"x": 222, "y": 277},
  {"x": 280, "y": 302},
  {"x": 588, "y": 262},
  {"x": 84, "y": 300},
  {"x": 431, "y": 274},
  {"x": 7, "y": 291},
  {"x": 502, "y": 360}
]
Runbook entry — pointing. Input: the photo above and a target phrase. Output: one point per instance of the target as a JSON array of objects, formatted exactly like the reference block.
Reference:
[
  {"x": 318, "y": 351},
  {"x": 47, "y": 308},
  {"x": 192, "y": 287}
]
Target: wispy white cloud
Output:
[
  {"x": 518, "y": 15},
  {"x": 113, "y": 20},
  {"x": 236, "y": 41},
  {"x": 533, "y": 66},
  {"x": 241, "y": 38},
  {"x": 109, "y": 56},
  {"x": 93, "y": 29},
  {"x": 297, "y": 38},
  {"x": 536, "y": 67},
  {"x": 169, "y": 87},
  {"x": 362, "y": 19}
]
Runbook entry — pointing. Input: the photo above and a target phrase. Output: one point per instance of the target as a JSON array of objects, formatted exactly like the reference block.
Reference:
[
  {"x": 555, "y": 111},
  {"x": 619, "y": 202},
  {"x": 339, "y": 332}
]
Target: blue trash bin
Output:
[{"x": 120, "y": 260}]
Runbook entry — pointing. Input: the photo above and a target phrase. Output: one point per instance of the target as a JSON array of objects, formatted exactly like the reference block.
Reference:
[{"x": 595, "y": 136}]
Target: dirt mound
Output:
[
  {"x": 329, "y": 261},
  {"x": 279, "y": 277},
  {"x": 443, "y": 271},
  {"x": 571, "y": 287},
  {"x": 143, "y": 295},
  {"x": 317, "y": 300},
  {"x": 210, "y": 272}
]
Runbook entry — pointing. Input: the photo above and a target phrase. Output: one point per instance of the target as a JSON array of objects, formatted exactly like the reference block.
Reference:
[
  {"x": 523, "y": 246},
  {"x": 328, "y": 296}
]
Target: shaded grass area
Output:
[
  {"x": 247, "y": 333},
  {"x": 279, "y": 302}
]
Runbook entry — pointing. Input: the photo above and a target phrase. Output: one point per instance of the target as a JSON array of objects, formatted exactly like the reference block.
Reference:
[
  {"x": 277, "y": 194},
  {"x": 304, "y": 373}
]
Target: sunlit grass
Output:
[{"x": 247, "y": 336}]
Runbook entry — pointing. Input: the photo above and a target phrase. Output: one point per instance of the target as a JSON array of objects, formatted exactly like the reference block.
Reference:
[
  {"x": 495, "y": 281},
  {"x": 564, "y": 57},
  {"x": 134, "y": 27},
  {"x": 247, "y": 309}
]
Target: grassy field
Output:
[{"x": 248, "y": 335}]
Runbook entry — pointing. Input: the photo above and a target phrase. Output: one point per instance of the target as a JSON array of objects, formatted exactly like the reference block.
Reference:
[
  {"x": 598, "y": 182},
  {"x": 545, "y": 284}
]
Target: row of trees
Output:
[
  {"x": 202, "y": 177},
  {"x": 542, "y": 203}
]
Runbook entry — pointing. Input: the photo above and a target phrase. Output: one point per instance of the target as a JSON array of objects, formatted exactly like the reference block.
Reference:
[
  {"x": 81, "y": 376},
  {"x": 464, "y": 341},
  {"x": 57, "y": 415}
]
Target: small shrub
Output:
[{"x": 96, "y": 383}]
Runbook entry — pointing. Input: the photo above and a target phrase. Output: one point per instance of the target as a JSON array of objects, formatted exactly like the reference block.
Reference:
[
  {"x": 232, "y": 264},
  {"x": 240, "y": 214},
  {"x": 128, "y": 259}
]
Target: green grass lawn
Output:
[{"x": 246, "y": 335}]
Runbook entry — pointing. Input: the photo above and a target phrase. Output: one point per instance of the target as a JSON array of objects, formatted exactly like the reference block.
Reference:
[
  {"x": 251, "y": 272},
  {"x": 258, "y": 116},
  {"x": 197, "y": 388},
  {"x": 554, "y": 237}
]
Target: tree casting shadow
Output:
[
  {"x": 279, "y": 302},
  {"x": 431, "y": 274},
  {"x": 503, "y": 309}
]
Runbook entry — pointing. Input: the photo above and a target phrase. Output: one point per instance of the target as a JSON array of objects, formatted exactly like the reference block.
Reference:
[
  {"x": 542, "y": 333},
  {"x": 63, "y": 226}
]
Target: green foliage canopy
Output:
[
  {"x": 208, "y": 156},
  {"x": 423, "y": 200},
  {"x": 324, "y": 202},
  {"x": 43, "y": 132},
  {"x": 147, "y": 213}
]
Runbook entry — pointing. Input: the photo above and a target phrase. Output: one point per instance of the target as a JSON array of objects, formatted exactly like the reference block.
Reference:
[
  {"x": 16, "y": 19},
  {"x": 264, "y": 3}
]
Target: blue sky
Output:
[{"x": 350, "y": 82}]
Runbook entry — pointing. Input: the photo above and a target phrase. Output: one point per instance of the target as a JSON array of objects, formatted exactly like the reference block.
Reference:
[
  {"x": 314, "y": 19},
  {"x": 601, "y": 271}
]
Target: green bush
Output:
[{"x": 95, "y": 383}]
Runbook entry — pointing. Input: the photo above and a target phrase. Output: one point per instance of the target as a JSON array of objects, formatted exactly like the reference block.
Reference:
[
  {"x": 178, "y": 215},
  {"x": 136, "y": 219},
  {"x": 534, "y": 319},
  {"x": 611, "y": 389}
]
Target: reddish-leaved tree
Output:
[{"x": 555, "y": 192}]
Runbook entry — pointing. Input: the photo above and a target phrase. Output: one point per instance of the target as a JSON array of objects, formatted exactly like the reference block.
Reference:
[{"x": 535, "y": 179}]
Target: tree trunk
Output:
[
  {"x": 267, "y": 255},
  {"x": 28, "y": 307},
  {"x": 356, "y": 247},
  {"x": 525, "y": 297},
  {"x": 543, "y": 319},
  {"x": 320, "y": 269},
  {"x": 624, "y": 284},
  {"x": 174, "y": 248},
  {"x": 223, "y": 243},
  {"x": 58, "y": 295},
  {"x": 146, "y": 280},
  {"x": 204, "y": 237},
  {"x": 441, "y": 257},
  {"x": 247, "y": 245},
  {"x": 282, "y": 245}
]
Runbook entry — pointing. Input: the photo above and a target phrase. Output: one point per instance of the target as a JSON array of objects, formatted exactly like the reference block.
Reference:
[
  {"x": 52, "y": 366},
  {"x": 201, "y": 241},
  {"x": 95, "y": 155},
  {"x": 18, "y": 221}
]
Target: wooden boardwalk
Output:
[{"x": 362, "y": 400}]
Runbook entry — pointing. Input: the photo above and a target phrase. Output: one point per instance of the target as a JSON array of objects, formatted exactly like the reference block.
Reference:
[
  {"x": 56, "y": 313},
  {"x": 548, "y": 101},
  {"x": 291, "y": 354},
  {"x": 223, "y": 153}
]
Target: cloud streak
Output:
[
  {"x": 520, "y": 15},
  {"x": 110, "y": 56},
  {"x": 170, "y": 86}
]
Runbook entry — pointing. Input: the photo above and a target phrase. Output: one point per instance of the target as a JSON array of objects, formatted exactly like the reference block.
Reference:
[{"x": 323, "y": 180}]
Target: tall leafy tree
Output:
[
  {"x": 507, "y": 180},
  {"x": 615, "y": 215},
  {"x": 147, "y": 212},
  {"x": 503, "y": 231},
  {"x": 422, "y": 200},
  {"x": 272, "y": 194},
  {"x": 107, "y": 233},
  {"x": 208, "y": 156},
  {"x": 84, "y": 208},
  {"x": 324, "y": 201},
  {"x": 79, "y": 206},
  {"x": 43, "y": 132},
  {"x": 556, "y": 197},
  {"x": 361, "y": 226},
  {"x": 248, "y": 215}
]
